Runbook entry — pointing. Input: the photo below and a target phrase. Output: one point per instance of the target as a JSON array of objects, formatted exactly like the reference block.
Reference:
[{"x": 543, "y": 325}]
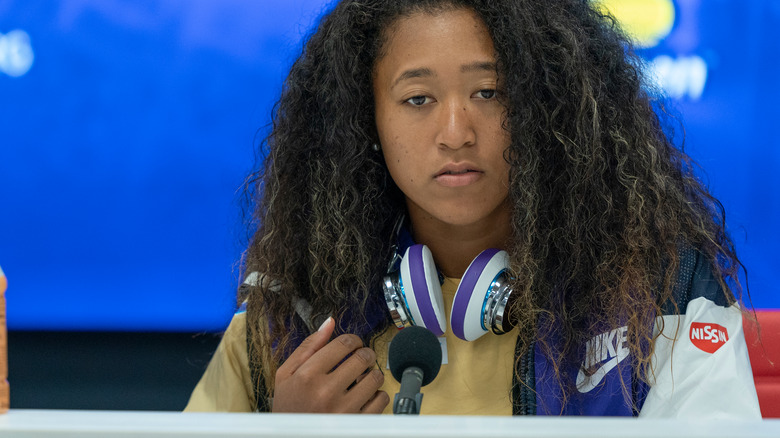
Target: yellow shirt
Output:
[{"x": 475, "y": 377}]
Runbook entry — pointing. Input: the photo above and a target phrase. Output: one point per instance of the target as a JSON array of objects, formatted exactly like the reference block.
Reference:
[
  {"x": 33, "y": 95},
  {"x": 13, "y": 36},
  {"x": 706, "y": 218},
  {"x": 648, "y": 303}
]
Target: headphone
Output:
[{"x": 412, "y": 288}]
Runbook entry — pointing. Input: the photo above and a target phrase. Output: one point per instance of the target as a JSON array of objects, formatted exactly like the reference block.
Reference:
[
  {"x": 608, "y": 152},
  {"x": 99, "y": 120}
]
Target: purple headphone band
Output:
[
  {"x": 422, "y": 293},
  {"x": 468, "y": 282}
]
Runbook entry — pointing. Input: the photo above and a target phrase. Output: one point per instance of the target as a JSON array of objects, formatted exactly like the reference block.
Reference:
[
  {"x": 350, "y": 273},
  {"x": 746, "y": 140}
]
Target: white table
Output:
[{"x": 66, "y": 423}]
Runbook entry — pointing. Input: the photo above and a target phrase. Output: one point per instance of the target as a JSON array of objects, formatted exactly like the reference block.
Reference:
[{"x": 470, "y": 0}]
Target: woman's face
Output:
[{"x": 439, "y": 119}]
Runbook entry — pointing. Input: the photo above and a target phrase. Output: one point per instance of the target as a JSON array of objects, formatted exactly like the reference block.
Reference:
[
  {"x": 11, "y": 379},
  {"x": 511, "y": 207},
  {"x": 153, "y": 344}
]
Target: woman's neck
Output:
[{"x": 455, "y": 246}]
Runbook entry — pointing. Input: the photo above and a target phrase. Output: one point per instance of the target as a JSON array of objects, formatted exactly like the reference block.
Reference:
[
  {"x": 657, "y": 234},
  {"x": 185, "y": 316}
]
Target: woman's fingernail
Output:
[{"x": 324, "y": 323}]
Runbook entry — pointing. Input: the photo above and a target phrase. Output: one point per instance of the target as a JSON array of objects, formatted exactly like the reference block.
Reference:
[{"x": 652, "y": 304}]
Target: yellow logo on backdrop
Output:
[{"x": 646, "y": 21}]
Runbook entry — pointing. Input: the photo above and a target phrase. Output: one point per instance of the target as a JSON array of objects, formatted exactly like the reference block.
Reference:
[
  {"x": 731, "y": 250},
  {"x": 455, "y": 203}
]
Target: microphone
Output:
[{"x": 415, "y": 359}]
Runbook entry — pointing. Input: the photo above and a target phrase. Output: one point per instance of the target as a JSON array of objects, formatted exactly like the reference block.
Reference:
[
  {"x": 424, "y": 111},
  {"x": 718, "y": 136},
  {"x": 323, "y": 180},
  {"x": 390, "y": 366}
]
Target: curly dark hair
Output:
[{"x": 602, "y": 199}]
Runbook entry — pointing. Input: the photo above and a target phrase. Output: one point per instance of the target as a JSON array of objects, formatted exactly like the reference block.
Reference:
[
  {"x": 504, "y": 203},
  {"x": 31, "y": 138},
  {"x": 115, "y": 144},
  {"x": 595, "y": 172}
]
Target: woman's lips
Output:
[{"x": 458, "y": 178}]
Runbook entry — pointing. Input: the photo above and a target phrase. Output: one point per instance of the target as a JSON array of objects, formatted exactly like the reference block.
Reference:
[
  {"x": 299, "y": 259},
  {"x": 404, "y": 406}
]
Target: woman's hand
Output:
[{"x": 314, "y": 378}]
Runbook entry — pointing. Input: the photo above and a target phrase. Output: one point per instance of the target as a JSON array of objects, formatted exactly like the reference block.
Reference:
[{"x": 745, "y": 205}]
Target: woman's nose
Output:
[{"x": 456, "y": 128}]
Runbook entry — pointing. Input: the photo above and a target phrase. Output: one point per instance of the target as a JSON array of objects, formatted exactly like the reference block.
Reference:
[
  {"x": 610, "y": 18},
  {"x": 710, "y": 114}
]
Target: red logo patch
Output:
[{"x": 708, "y": 337}]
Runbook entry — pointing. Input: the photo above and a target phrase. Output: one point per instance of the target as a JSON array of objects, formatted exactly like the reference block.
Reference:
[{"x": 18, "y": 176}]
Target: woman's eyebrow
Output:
[
  {"x": 426, "y": 72},
  {"x": 414, "y": 73},
  {"x": 479, "y": 66}
]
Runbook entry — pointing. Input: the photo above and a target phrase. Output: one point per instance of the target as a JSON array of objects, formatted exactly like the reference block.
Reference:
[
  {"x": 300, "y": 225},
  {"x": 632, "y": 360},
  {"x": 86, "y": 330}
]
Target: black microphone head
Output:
[{"x": 415, "y": 347}]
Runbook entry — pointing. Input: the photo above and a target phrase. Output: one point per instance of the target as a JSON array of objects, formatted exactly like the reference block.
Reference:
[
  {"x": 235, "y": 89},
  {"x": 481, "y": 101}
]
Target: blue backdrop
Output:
[{"x": 127, "y": 129}]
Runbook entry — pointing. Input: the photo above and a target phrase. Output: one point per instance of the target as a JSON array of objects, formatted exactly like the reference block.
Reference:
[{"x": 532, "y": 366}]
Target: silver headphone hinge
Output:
[
  {"x": 495, "y": 317},
  {"x": 395, "y": 301}
]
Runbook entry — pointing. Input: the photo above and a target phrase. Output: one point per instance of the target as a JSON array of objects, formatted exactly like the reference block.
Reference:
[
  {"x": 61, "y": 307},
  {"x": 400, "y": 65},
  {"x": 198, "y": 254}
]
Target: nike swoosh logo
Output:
[{"x": 586, "y": 385}]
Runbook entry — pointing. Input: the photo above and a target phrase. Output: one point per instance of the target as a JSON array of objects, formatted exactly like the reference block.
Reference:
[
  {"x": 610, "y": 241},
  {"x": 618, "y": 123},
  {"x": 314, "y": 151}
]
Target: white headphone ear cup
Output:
[
  {"x": 422, "y": 291},
  {"x": 468, "y": 306}
]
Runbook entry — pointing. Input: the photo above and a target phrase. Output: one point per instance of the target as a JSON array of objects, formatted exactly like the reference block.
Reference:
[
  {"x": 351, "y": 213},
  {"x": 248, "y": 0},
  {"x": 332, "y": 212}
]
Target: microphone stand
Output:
[{"x": 409, "y": 399}]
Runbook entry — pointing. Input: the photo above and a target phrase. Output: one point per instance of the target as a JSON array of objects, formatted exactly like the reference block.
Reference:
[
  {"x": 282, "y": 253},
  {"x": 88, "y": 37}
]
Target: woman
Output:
[{"x": 466, "y": 126}]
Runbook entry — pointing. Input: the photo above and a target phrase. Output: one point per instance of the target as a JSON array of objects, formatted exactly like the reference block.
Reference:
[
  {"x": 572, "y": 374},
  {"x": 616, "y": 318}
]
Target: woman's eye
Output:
[
  {"x": 487, "y": 94},
  {"x": 418, "y": 100}
]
